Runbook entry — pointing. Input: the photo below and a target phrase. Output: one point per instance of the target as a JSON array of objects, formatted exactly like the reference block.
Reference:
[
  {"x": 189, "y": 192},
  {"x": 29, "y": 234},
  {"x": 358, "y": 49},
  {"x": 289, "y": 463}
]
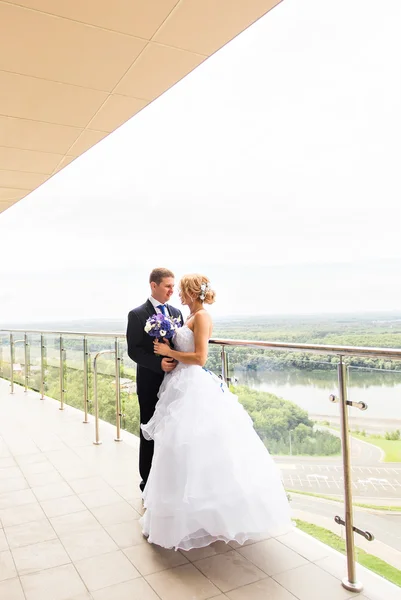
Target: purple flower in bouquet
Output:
[{"x": 162, "y": 326}]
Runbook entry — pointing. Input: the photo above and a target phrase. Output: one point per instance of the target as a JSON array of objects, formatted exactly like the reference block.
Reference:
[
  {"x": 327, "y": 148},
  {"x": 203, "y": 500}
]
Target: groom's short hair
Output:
[{"x": 158, "y": 274}]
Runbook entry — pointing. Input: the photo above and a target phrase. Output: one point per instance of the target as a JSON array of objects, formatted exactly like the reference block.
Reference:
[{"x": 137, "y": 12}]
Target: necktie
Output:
[{"x": 162, "y": 309}]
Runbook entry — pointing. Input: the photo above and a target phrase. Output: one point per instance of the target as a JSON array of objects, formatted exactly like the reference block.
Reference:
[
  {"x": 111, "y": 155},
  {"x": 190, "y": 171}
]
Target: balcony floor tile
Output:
[
  {"x": 229, "y": 570},
  {"x": 60, "y": 583},
  {"x": 11, "y": 589},
  {"x": 266, "y": 589},
  {"x": 69, "y": 511}
]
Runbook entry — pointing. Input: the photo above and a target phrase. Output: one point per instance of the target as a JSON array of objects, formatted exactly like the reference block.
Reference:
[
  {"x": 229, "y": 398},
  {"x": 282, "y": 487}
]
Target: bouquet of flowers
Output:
[{"x": 162, "y": 326}]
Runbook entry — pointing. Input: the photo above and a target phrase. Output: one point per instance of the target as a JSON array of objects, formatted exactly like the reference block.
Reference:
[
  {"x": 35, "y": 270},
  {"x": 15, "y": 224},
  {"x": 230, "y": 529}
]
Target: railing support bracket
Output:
[{"x": 366, "y": 534}]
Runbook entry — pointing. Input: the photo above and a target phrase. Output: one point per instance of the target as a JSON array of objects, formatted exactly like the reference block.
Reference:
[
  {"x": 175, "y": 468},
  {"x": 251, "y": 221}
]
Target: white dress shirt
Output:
[{"x": 156, "y": 303}]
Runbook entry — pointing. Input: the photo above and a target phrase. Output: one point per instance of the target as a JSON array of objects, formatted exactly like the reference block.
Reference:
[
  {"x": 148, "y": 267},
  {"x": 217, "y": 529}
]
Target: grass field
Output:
[
  {"x": 369, "y": 561},
  {"x": 391, "y": 448}
]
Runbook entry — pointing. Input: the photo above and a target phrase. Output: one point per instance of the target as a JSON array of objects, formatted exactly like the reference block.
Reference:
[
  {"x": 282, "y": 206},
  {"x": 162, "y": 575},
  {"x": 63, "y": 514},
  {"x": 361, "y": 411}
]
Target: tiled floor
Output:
[{"x": 69, "y": 527}]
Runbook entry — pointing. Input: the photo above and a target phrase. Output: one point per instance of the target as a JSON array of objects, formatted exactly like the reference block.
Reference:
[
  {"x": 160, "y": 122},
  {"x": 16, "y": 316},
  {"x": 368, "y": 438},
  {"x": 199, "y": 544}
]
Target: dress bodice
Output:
[{"x": 184, "y": 340}]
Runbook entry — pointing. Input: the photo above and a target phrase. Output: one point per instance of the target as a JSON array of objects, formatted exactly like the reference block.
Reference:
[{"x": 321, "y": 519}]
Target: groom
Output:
[{"x": 150, "y": 368}]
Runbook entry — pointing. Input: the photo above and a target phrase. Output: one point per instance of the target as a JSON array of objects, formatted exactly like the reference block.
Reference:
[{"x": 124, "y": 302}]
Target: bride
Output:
[{"x": 212, "y": 477}]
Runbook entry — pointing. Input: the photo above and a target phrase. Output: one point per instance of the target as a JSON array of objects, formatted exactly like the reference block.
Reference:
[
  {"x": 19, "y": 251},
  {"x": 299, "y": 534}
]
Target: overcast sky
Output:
[{"x": 274, "y": 167}]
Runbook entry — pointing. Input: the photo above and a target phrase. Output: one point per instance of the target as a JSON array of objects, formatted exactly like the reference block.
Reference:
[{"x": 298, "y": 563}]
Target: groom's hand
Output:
[{"x": 168, "y": 364}]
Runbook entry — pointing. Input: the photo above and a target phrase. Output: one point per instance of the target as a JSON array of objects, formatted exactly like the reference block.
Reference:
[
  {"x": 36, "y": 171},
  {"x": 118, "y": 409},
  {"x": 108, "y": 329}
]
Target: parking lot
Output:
[{"x": 380, "y": 482}]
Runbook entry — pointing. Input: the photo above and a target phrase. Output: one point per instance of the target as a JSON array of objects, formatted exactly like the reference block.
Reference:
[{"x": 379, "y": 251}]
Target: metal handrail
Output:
[
  {"x": 51, "y": 332},
  {"x": 389, "y": 353}
]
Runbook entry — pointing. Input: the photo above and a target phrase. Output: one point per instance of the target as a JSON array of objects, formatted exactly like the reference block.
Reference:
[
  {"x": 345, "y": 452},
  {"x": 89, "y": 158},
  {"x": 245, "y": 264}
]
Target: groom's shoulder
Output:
[{"x": 139, "y": 310}]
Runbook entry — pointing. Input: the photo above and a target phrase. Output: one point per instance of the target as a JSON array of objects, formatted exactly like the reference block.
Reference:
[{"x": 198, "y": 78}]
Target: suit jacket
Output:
[{"x": 140, "y": 350}]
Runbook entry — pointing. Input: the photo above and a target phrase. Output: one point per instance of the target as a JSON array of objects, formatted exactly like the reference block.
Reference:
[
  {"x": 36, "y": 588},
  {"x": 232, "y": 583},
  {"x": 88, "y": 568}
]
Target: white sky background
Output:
[{"x": 274, "y": 168}]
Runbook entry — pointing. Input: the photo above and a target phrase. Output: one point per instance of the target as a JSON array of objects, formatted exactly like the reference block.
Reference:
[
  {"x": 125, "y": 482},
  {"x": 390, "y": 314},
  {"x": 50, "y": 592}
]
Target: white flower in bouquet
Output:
[{"x": 162, "y": 326}]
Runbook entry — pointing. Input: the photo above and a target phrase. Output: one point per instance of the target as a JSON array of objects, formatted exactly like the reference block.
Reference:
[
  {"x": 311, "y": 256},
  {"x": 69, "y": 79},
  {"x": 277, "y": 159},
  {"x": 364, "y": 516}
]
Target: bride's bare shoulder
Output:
[
  {"x": 202, "y": 316},
  {"x": 203, "y": 320}
]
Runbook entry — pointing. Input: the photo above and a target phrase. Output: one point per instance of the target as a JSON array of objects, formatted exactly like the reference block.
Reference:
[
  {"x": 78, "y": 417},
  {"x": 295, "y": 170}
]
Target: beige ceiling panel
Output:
[
  {"x": 20, "y": 179},
  {"x": 40, "y": 100},
  {"x": 72, "y": 71},
  {"x": 73, "y": 52},
  {"x": 14, "y": 159},
  {"x": 204, "y": 26},
  {"x": 156, "y": 70},
  {"x": 116, "y": 111},
  {"x": 66, "y": 160},
  {"x": 86, "y": 140},
  {"x": 4, "y": 205},
  {"x": 135, "y": 17},
  {"x": 11, "y": 194},
  {"x": 34, "y": 135}
]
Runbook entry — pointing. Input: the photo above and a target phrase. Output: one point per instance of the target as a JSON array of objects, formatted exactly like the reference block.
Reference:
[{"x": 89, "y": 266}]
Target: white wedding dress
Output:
[{"x": 212, "y": 477}]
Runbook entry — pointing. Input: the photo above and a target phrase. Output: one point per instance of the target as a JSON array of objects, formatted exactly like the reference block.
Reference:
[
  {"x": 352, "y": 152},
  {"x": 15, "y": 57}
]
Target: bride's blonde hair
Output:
[{"x": 197, "y": 286}]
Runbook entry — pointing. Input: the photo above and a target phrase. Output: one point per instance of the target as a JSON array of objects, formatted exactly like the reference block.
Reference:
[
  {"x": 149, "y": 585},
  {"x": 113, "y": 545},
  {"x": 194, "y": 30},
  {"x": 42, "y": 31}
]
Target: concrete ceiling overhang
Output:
[{"x": 72, "y": 71}]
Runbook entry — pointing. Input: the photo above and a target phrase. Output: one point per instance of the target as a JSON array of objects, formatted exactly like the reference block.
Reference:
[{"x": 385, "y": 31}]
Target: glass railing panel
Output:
[
  {"x": 74, "y": 380},
  {"x": 376, "y": 433},
  {"x": 214, "y": 359},
  {"x": 51, "y": 384},
  {"x": 34, "y": 362},
  {"x": 287, "y": 396},
  {"x": 19, "y": 359},
  {"x": 5, "y": 369},
  {"x": 106, "y": 379},
  {"x": 130, "y": 420},
  {"x": 376, "y": 456}
]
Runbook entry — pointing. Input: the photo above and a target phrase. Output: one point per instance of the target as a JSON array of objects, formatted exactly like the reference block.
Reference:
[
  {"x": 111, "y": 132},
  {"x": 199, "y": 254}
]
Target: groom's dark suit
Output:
[{"x": 149, "y": 374}]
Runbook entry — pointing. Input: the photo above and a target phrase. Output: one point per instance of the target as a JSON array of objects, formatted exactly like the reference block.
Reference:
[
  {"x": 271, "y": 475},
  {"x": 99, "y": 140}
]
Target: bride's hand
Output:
[{"x": 161, "y": 348}]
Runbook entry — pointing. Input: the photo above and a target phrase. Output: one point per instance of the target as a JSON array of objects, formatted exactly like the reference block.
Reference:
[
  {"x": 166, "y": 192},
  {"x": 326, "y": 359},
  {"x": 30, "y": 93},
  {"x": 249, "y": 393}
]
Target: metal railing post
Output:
[
  {"x": 61, "y": 407},
  {"x": 86, "y": 382},
  {"x": 97, "y": 441},
  {"x": 11, "y": 363},
  {"x": 118, "y": 437},
  {"x": 26, "y": 358},
  {"x": 350, "y": 582},
  {"x": 42, "y": 366},
  {"x": 224, "y": 364}
]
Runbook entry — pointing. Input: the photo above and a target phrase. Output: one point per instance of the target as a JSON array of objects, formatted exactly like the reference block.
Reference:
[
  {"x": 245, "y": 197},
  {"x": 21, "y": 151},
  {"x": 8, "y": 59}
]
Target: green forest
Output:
[{"x": 373, "y": 331}]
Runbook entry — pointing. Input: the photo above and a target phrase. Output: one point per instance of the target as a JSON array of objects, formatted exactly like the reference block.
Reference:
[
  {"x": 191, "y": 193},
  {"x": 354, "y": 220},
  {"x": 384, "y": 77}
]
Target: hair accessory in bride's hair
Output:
[{"x": 205, "y": 287}]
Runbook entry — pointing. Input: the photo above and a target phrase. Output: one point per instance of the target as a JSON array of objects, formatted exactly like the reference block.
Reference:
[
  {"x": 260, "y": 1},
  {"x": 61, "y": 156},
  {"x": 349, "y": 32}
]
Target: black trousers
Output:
[{"x": 146, "y": 447}]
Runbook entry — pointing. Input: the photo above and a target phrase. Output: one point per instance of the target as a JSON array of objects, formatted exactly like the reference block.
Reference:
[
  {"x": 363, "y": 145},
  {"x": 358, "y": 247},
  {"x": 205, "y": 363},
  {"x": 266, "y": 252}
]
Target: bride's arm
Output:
[{"x": 201, "y": 336}]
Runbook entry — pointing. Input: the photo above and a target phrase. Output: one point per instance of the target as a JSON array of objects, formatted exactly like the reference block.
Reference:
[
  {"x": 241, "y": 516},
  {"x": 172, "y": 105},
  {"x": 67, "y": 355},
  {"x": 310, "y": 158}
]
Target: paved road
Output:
[
  {"x": 371, "y": 478},
  {"x": 380, "y": 482},
  {"x": 363, "y": 453},
  {"x": 385, "y": 528}
]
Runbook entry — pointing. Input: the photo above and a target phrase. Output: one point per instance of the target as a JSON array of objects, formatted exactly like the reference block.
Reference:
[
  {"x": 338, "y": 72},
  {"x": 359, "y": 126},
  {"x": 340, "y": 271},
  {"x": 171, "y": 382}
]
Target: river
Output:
[{"x": 380, "y": 390}]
